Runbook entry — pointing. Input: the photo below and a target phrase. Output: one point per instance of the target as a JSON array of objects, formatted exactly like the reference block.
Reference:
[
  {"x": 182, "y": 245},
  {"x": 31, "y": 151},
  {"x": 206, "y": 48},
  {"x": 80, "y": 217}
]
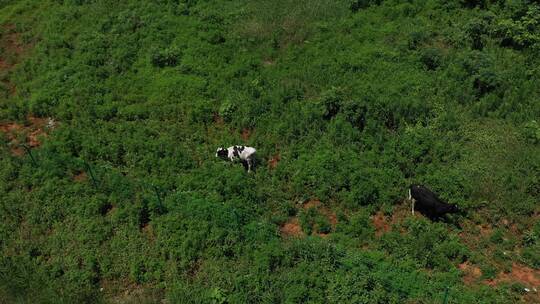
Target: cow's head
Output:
[{"x": 222, "y": 153}]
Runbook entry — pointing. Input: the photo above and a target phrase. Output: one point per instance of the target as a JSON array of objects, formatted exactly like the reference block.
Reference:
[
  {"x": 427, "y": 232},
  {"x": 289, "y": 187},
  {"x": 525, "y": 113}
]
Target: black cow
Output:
[{"x": 428, "y": 203}]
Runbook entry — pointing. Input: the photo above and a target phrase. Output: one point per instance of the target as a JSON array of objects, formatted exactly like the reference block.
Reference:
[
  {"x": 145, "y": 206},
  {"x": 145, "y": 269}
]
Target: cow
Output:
[
  {"x": 428, "y": 203},
  {"x": 246, "y": 155}
]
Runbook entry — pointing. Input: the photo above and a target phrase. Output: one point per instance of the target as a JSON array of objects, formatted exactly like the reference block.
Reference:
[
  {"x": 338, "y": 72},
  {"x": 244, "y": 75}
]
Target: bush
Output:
[
  {"x": 523, "y": 32},
  {"x": 168, "y": 57},
  {"x": 532, "y": 132},
  {"x": 431, "y": 58}
]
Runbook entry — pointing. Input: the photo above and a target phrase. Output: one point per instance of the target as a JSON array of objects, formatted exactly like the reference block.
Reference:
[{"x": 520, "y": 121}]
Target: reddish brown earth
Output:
[
  {"x": 32, "y": 132},
  {"x": 218, "y": 119},
  {"x": 268, "y": 62},
  {"x": 485, "y": 230},
  {"x": 80, "y": 177},
  {"x": 148, "y": 231},
  {"x": 246, "y": 134},
  {"x": 273, "y": 162},
  {"x": 291, "y": 228},
  {"x": 381, "y": 224},
  {"x": 384, "y": 224},
  {"x": 519, "y": 273},
  {"x": 471, "y": 273},
  {"x": 314, "y": 203},
  {"x": 124, "y": 291},
  {"x": 12, "y": 51},
  {"x": 37, "y": 126}
]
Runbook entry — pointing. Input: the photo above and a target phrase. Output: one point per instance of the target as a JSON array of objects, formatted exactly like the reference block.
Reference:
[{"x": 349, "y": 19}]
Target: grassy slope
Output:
[{"x": 356, "y": 104}]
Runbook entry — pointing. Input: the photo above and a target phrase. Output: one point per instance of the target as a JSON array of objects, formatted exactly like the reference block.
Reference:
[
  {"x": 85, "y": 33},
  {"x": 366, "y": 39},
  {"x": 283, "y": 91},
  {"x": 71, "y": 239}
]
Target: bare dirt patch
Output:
[
  {"x": 246, "y": 134},
  {"x": 273, "y": 162},
  {"x": 292, "y": 228},
  {"x": 218, "y": 119},
  {"x": 29, "y": 133},
  {"x": 13, "y": 49},
  {"x": 384, "y": 224},
  {"x": 381, "y": 224},
  {"x": 519, "y": 273},
  {"x": 268, "y": 62},
  {"x": 80, "y": 177},
  {"x": 11, "y": 40},
  {"x": 148, "y": 231},
  {"x": 124, "y": 292},
  {"x": 314, "y": 203},
  {"x": 471, "y": 273},
  {"x": 485, "y": 230}
]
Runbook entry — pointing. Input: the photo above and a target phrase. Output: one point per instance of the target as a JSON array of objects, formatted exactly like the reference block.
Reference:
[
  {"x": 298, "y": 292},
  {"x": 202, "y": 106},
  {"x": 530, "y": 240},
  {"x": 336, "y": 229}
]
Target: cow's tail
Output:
[{"x": 410, "y": 196}]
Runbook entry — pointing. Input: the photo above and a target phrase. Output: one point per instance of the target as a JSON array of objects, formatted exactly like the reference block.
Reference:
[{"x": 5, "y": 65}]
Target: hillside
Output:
[{"x": 111, "y": 113}]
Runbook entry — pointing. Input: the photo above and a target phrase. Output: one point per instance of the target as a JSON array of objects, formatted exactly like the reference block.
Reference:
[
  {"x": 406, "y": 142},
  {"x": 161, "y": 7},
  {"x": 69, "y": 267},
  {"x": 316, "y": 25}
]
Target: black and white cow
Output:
[
  {"x": 244, "y": 154},
  {"x": 428, "y": 203}
]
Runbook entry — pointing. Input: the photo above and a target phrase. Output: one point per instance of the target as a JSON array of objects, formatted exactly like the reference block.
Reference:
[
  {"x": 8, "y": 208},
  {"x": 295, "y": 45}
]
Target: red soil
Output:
[
  {"x": 218, "y": 119},
  {"x": 381, "y": 224},
  {"x": 291, "y": 228},
  {"x": 471, "y": 273},
  {"x": 519, "y": 273},
  {"x": 273, "y": 162},
  {"x": 315, "y": 203},
  {"x": 12, "y": 51},
  {"x": 81, "y": 176},
  {"x": 384, "y": 224},
  {"x": 246, "y": 134},
  {"x": 32, "y": 133}
]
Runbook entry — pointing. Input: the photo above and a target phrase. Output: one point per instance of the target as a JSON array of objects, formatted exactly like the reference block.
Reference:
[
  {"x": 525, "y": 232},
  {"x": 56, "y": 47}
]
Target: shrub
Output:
[
  {"x": 417, "y": 39},
  {"x": 532, "y": 132},
  {"x": 523, "y": 32},
  {"x": 226, "y": 110},
  {"x": 356, "y": 5},
  {"x": 168, "y": 57},
  {"x": 431, "y": 58}
]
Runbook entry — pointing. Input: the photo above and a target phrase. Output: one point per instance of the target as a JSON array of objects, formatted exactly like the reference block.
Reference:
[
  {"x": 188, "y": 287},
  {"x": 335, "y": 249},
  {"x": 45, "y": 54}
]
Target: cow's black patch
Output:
[
  {"x": 429, "y": 204},
  {"x": 245, "y": 164},
  {"x": 222, "y": 153}
]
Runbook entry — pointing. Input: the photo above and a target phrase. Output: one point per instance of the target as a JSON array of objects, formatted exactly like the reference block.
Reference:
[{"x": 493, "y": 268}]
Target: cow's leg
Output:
[
  {"x": 250, "y": 164},
  {"x": 412, "y": 201},
  {"x": 246, "y": 165}
]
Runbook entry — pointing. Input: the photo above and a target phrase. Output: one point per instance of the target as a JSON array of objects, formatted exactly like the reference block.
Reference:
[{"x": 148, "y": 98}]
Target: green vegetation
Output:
[{"x": 347, "y": 103}]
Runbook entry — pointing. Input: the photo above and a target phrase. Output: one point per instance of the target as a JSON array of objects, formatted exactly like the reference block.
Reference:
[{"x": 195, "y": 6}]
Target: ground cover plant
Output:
[{"x": 111, "y": 113}]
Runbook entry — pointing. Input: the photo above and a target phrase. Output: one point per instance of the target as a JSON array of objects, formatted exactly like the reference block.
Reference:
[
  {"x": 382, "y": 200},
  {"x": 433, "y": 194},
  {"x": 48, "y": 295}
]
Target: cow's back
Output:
[{"x": 423, "y": 194}]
